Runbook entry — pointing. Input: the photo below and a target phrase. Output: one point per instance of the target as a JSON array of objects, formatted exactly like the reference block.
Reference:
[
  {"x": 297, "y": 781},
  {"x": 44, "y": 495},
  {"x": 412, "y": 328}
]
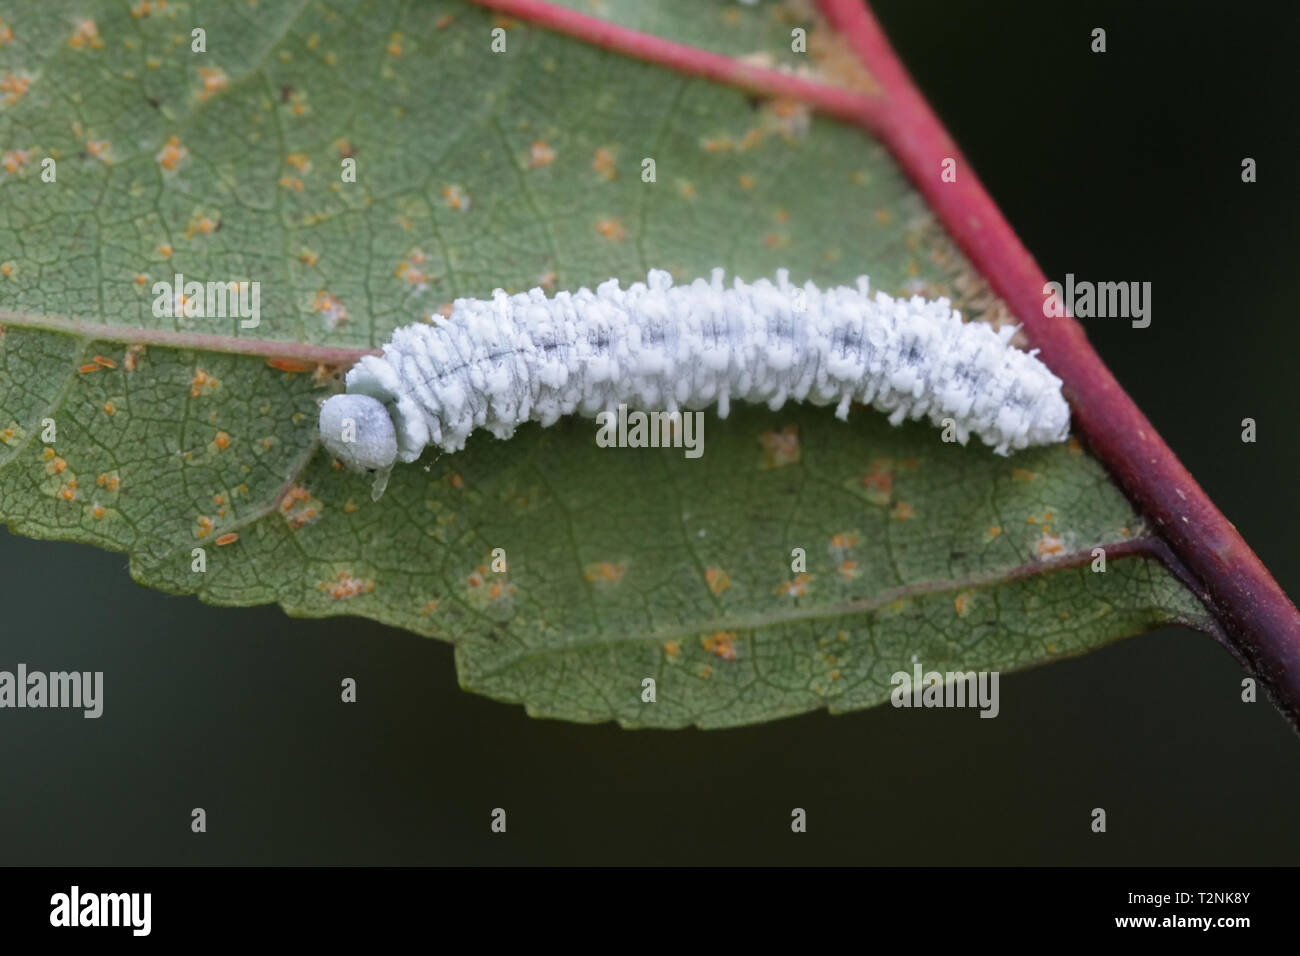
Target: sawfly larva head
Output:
[{"x": 358, "y": 431}]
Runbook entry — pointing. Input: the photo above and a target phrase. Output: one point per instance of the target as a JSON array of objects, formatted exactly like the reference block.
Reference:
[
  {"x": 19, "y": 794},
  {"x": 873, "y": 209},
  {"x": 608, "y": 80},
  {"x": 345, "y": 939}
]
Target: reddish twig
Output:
[{"x": 1261, "y": 623}]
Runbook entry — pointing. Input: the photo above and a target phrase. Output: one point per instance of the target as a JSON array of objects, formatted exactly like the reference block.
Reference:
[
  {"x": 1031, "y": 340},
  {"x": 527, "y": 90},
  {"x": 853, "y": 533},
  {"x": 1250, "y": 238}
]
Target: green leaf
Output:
[{"x": 477, "y": 170}]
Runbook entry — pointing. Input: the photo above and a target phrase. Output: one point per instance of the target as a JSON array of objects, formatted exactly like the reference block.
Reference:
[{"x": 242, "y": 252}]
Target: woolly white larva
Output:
[{"x": 499, "y": 362}]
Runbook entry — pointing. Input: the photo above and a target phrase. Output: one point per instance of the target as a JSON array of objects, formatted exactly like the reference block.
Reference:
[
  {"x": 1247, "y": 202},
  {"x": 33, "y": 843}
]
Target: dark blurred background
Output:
[{"x": 1122, "y": 166}]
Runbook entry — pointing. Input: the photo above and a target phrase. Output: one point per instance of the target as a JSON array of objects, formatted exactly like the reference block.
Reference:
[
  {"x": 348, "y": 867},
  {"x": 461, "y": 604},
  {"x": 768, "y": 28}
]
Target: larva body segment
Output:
[{"x": 499, "y": 362}]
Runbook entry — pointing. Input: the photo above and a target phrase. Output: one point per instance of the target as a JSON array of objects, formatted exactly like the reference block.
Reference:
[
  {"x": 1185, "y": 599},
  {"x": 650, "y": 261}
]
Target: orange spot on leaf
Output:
[
  {"x": 290, "y": 365},
  {"x": 345, "y": 586},
  {"x": 540, "y": 154},
  {"x": 721, "y": 645},
  {"x": 172, "y": 154},
  {"x": 796, "y": 588},
  {"x": 717, "y": 579},
  {"x": 603, "y": 163},
  {"x": 780, "y": 448},
  {"x": 612, "y": 229},
  {"x": 1049, "y": 545}
]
